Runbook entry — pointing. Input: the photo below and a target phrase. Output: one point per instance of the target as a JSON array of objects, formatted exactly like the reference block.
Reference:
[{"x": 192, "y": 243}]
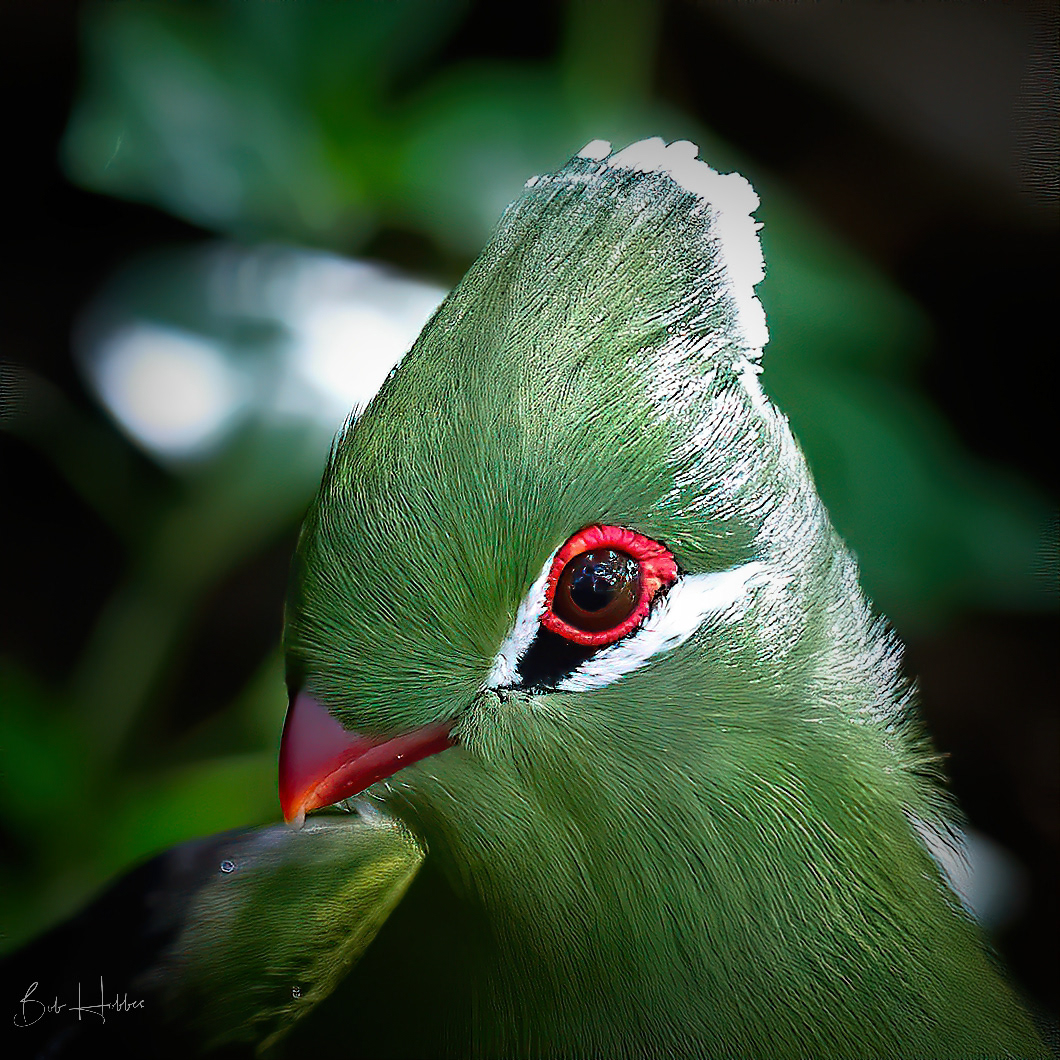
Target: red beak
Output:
[{"x": 321, "y": 762}]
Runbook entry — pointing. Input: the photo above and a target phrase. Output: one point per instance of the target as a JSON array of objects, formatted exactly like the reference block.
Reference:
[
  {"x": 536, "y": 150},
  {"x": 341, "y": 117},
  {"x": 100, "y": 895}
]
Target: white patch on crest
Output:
[
  {"x": 748, "y": 372},
  {"x": 689, "y": 603},
  {"x": 505, "y": 671},
  {"x": 731, "y": 201},
  {"x": 595, "y": 150}
]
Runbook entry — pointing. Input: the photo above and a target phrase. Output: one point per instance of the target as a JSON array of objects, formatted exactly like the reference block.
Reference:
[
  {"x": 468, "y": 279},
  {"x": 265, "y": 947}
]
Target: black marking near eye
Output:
[
  {"x": 550, "y": 658},
  {"x": 596, "y": 590}
]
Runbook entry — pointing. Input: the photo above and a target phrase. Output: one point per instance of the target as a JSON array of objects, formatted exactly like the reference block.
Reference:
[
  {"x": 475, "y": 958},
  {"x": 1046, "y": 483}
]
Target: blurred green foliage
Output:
[{"x": 326, "y": 125}]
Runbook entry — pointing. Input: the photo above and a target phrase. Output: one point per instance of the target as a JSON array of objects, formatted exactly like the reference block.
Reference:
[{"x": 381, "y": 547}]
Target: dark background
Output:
[{"x": 923, "y": 136}]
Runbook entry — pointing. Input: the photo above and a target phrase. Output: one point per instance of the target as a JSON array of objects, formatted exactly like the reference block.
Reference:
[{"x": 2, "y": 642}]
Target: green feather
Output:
[
  {"x": 718, "y": 854},
  {"x": 278, "y": 925}
]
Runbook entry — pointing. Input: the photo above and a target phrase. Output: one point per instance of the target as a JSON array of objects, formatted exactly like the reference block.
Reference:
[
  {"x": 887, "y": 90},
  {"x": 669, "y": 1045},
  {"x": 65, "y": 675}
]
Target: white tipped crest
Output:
[
  {"x": 732, "y": 202},
  {"x": 596, "y": 150}
]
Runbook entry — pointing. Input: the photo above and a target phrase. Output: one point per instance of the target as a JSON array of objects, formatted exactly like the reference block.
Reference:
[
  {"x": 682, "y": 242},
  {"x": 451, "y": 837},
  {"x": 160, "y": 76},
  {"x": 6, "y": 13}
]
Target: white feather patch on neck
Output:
[
  {"x": 505, "y": 671},
  {"x": 732, "y": 202},
  {"x": 688, "y": 604}
]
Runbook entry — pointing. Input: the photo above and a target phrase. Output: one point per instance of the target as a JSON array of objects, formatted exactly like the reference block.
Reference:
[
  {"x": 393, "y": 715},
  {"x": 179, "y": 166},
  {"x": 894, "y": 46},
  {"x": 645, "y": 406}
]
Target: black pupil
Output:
[
  {"x": 599, "y": 576},
  {"x": 597, "y": 590}
]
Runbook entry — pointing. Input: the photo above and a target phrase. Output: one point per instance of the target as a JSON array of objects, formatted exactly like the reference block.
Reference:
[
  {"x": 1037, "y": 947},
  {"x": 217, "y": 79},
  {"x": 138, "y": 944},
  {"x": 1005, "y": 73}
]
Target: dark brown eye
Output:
[
  {"x": 597, "y": 590},
  {"x": 603, "y": 582}
]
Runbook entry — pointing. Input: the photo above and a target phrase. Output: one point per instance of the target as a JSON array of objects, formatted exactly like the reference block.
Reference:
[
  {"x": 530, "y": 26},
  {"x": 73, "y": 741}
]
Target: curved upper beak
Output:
[{"x": 321, "y": 762}]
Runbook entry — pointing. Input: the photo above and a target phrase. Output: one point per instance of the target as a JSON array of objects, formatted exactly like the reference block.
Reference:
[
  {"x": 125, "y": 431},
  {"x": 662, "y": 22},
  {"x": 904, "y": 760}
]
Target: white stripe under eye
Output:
[{"x": 689, "y": 603}]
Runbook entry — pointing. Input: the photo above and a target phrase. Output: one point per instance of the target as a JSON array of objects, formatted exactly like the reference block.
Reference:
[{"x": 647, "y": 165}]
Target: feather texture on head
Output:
[{"x": 696, "y": 839}]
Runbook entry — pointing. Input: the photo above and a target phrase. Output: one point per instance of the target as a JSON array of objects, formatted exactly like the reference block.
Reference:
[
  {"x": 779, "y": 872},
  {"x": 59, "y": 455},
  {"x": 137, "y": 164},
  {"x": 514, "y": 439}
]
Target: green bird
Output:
[
  {"x": 641, "y": 776},
  {"x": 568, "y": 584}
]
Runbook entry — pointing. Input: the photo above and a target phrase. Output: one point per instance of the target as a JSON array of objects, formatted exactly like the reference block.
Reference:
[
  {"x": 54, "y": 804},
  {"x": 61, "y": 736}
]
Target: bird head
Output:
[{"x": 567, "y": 585}]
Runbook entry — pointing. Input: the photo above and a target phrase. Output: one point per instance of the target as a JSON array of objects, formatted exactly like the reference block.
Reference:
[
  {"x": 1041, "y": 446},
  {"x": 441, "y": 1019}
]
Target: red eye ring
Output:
[{"x": 658, "y": 569}]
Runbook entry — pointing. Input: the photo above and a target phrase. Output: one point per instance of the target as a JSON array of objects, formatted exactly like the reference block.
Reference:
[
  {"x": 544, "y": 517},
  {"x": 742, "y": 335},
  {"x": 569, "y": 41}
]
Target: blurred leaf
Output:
[
  {"x": 74, "y": 827},
  {"x": 828, "y": 308},
  {"x": 198, "y": 799},
  {"x": 42, "y": 756},
  {"x": 242, "y": 117},
  {"x": 478, "y": 132},
  {"x": 289, "y": 121},
  {"x": 933, "y": 530},
  {"x": 251, "y": 723}
]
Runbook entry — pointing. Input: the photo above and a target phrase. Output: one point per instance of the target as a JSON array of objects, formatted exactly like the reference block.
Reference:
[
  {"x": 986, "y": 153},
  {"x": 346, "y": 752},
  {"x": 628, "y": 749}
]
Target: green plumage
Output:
[
  {"x": 717, "y": 854},
  {"x": 284, "y": 918}
]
